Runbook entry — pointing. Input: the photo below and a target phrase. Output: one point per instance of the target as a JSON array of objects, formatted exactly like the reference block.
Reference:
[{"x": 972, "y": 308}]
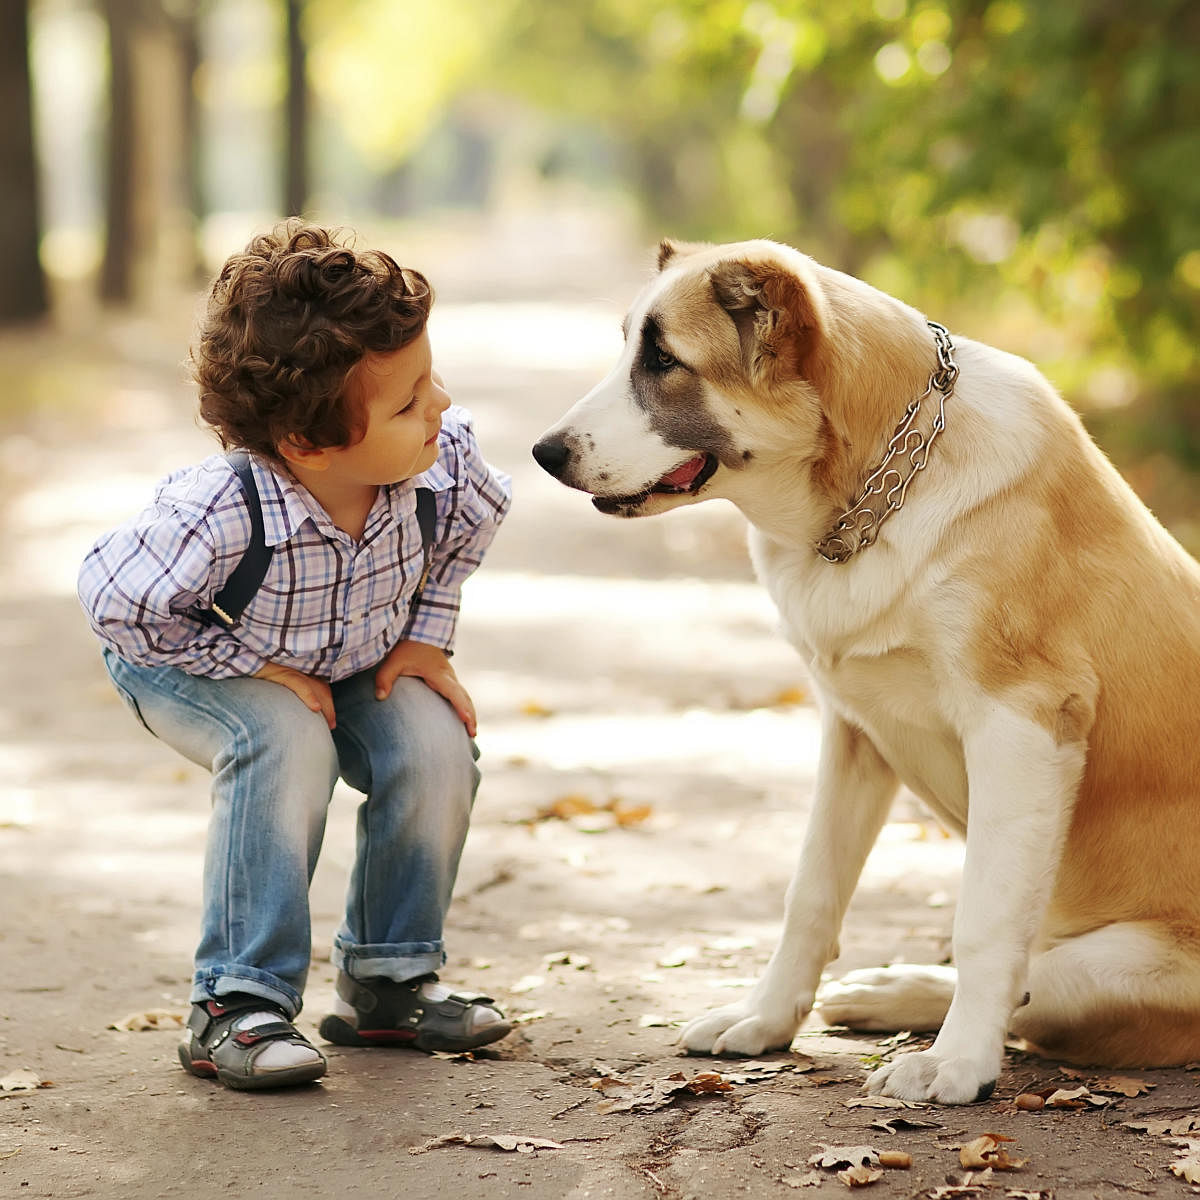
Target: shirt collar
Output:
[{"x": 286, "y": 505}]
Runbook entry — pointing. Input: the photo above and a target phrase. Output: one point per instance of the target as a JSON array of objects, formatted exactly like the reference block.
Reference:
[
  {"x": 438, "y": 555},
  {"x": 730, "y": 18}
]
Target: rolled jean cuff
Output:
[
  {"x": 214, "y": 982},
  {"x": 405, "y": 960}
]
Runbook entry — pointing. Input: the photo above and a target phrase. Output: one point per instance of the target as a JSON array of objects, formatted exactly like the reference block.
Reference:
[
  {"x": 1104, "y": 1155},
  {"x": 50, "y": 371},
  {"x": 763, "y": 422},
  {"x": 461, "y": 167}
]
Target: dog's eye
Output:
[{"x": 664, "y": 361}]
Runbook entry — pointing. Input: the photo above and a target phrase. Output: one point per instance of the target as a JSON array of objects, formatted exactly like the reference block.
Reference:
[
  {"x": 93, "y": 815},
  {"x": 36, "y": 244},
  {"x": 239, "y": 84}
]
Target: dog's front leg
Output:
[
  {"x": 854, "y": 790},
  {"x": 1022, "y": 786}
]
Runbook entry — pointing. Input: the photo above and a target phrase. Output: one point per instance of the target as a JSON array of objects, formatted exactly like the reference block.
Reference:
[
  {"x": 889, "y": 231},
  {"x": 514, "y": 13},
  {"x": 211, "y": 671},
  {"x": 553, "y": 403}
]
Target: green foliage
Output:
[{"x": 1032, "y": 164}]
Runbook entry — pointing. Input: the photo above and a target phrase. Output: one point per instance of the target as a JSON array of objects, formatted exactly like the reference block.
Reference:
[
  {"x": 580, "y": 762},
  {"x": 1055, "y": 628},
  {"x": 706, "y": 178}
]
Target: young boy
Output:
[{"x": 314, "y": 358}]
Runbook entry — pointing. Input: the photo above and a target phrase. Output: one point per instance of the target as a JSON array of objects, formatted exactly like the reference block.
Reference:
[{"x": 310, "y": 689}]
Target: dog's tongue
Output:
[{"x": 682, "y": 476}]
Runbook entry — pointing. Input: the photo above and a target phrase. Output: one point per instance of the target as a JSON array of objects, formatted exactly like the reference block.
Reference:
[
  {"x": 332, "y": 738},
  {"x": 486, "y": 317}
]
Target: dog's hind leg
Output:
[
  {"x": 877, "y": 999},
  {"x": 1124, "y": 995},
  {"x": 855, "y": 787}
]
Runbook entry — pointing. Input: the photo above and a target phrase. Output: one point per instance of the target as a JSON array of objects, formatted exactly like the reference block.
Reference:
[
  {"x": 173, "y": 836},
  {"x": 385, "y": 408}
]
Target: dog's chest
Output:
[{"x": 873, "y": 671}]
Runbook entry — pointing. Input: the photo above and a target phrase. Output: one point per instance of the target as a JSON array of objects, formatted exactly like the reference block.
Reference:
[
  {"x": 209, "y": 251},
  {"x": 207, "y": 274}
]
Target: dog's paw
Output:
[
  {"x": 738, "y": 1029},
  {"x": 929, "y": 1075},
  {"x": 888, "y": 998}
]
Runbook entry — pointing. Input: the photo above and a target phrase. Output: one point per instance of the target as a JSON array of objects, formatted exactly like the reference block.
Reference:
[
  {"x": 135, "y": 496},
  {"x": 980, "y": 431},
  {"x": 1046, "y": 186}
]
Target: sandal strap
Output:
[
  {"x": 391, "y": 1004},
  {"x": 211, "y": 1022}
]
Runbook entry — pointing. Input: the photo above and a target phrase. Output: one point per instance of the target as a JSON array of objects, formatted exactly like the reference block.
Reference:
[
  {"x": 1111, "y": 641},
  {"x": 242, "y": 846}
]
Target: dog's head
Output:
[{"x": 721, "y": 369}]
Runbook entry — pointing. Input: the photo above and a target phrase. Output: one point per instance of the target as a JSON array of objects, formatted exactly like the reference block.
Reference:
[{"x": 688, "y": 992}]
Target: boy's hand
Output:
[
  {"x": 430, "y": 664},
  {"x": 314, "y": 693}
]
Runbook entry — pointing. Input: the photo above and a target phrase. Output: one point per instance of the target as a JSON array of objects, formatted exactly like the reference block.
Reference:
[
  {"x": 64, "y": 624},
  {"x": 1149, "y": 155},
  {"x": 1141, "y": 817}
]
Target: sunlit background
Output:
[{"x": 1027, "y": 173}]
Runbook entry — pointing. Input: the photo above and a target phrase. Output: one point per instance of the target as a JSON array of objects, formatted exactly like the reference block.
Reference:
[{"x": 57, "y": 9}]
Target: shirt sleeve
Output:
[
  {"x": 138, "y": 582},
  {"x": 470, "y": 514}
]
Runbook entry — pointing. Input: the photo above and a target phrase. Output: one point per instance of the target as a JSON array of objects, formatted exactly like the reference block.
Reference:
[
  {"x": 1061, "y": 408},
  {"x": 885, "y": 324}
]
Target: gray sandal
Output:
[
  {"x": 216, "y": 1050},
  {"x": 420, "y": 1013}
]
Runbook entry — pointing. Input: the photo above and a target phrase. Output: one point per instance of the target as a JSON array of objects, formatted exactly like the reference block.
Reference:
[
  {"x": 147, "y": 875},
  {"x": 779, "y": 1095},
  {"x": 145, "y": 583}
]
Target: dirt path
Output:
[{"x": 648, "y": 759}]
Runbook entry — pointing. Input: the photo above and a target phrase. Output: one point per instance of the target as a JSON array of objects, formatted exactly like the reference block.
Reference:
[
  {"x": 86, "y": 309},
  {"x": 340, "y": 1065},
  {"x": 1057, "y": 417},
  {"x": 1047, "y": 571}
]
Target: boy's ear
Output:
[{"x": 298, "y": 452}]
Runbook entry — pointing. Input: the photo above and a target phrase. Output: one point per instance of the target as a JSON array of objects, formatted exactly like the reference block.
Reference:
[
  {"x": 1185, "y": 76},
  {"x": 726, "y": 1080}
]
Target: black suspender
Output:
[{"x": 246, "y": 578}]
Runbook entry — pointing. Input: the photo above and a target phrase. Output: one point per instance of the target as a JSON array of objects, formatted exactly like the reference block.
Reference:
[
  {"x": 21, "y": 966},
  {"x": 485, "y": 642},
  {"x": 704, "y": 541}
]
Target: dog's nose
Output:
[{"x": 551, "y": 454}]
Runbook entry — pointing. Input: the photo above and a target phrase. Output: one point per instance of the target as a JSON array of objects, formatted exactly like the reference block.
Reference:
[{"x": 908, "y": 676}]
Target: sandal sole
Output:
[
  {"x": 340, "y": 1032},
  {"x": 202, "y": 1068}
]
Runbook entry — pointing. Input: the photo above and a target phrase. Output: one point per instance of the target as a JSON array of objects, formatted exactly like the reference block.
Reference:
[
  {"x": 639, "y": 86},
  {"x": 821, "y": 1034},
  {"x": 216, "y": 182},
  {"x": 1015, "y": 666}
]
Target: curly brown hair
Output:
[{"x": 288, "y": 320}]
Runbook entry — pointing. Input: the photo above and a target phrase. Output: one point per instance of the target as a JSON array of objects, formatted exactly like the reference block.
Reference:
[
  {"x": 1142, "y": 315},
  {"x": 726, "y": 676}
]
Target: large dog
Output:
[{"x": 989, "y": 616}]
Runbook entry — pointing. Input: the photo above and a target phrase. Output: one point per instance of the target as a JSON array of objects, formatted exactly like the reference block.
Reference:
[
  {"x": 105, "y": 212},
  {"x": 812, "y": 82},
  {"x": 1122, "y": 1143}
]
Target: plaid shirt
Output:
[{"x": 329, "y": 606}]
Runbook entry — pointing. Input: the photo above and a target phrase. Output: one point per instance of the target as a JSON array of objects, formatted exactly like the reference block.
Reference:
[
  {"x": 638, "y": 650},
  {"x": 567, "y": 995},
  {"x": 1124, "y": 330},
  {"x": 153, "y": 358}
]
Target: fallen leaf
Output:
[
  {"x": 1176, "y": 1127},
  {"x": 567, "y": 958},
  {"x": 953, "y": 1191},
  {"x": 830, "y": 1157},
  {"x": 527, "y": 983},
  {"x": 20, "y": 1080},
  {"x": 659, "y": 1093},
  {"x": 860, "y": 1176},
  {"x": 677, "y": 957},
  {"x": 151, "y": 1020},
  {"x": 487, "y": 1141},
  {"x": 1187, "y": 1160},
  {"x": 891, "y": 1124},
  {"x": 1079, "y": 1097},
  {"x": 654, "y": 1021},
  {"x": 881, "y": 1102},
  {"x": 566, "y": 807},
  {"x": 524, "y": 1018},
  {"x": 632, "y": 814},
  {"x": 1122, "y": 1085},
  {"x": 986, "y": 1152},
  {"x": 789, "y": 696},
  {"x": 809, "y": 1179},
  {"x": 534, "y": 708}
]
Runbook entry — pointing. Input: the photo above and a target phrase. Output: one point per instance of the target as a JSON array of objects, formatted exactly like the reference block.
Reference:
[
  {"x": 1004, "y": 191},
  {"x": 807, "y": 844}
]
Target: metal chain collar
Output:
[{"x": 859, "y": 525}]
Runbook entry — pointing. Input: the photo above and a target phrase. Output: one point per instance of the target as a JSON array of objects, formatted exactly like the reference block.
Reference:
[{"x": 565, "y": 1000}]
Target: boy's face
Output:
[{"x": 402, "y": 405}]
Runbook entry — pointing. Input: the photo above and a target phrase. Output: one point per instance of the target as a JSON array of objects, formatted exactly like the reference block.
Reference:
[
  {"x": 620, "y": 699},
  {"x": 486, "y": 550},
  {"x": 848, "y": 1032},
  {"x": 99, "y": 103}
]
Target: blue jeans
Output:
[{"x": 274, "y": 764}]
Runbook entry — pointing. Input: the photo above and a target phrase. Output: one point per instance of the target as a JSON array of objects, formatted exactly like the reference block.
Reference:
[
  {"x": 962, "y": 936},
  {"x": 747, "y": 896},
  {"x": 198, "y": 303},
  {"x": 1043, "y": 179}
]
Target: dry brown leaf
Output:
[
  {"x": 891, "y": 1124},
  {"x": 659, "y": 1093},
  {"x": 1187, "y": 1160},
  {"x": 1122, "y": 1085},
  {"x": 1176, "y": 1127},
  {"x": 1079, "y": 1097},
  {"x": 487, "y": 1141},
  {"x": 151, "y": 1020},
  {"x": 986, "y": 1152},
  {"x": 565, "y": 807},
  {"x": 860, "y": 1176},
  {"x": 21, "y": 1080},
  {"x": 881, "y": 1102},
  {"x": 630, "y": 814},
  {"x": 808, "y": 1179},
  {"x": 830, "y": 1157},
  {"x": 535, "y": 708}
]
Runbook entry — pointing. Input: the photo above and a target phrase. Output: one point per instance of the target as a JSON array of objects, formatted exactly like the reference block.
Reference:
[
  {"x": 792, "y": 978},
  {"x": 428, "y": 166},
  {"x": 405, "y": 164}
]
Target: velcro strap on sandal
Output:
[
  {"x": 264, "y": 1033},
  {"x": 204, "y": 1016}
]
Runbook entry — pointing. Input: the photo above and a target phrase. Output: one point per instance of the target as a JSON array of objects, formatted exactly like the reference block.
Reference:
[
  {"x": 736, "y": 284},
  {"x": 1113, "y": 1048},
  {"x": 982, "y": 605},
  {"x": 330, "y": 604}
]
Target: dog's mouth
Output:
[{"x": 686, "y": 479}]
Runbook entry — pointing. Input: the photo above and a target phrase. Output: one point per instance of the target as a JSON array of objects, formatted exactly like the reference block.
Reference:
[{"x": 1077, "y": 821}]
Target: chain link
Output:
[{"x": 859, "y": 525}]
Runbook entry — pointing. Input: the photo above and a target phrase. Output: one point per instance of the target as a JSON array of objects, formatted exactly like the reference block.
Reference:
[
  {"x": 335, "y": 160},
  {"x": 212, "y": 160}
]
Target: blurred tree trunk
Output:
[
  {"x": 295, "y": 171},
  {"x": 116, "y": 271},
  {"x": 22, "y": 283},
  {"x": 149, "y": 235},
  {"x": 192, "y": 183}
]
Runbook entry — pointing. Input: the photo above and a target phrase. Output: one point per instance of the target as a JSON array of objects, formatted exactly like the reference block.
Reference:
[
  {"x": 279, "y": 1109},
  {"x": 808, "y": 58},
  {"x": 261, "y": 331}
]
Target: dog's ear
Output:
[
  {"x": 669, "y": 249},
  {"x": 776, "y": 314}
]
